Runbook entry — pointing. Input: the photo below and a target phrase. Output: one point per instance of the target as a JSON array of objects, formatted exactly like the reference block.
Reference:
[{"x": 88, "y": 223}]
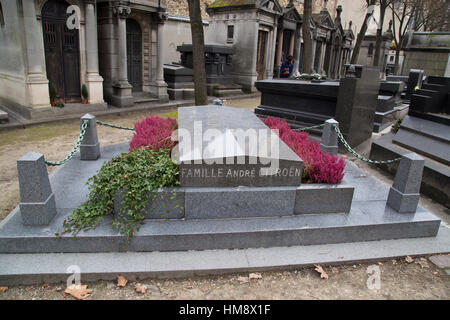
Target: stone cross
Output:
[
  {"x": 405, "y": 192},
  {"x": 37, "y": 201}
]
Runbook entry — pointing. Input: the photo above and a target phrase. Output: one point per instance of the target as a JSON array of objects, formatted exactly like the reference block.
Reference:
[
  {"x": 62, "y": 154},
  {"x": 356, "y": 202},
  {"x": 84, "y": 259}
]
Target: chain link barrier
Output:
[
  {"x": 113, "y": 125},
  {"x": 357, "y": 155},
  {"x": 336, "y": 128},
  {"x": 310, "y": 128},
  {"x": 75, "y": 148}
]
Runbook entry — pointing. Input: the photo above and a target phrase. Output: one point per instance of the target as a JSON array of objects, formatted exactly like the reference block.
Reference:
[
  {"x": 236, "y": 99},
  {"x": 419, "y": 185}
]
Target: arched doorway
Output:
[
  {"x": 134, "y": 54},
  {"x": 62, "y": 54}
]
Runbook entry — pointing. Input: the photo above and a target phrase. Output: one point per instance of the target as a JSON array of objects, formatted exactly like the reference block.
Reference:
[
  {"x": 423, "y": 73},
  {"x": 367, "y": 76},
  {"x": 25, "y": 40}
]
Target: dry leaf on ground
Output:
[
  {"x": 3, "y": 289},
  {"x": 79, "y": 292},
  {"x": 243, "y": 279},
  {"x": 121, "y": 281},
  {"x": 409, "y": 259},
  {"x": 322, "y": 272},
  {"x": 255, "y": 276},
  {"x": 423, "y": 263},
  {"x": 140, "y": 288},
  {"x": 334, "y": 270}
]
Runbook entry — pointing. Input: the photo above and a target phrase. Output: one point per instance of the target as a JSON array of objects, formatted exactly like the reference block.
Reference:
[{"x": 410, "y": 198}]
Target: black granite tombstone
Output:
[{"x": 352, "y": 101}]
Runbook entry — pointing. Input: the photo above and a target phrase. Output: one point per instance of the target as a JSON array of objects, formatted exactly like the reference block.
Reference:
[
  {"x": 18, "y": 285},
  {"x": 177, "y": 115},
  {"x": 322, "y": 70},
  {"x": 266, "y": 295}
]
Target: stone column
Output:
[
  {"x": 292, "y": 43},
  {"x": 297, "y": 50},
  {"x": 405, "y": 192},
  {"x": 37, "y": 83},
  {"x": 279, "y": 51},
  {"x": 122, "y": 96},
  {"x": 37, "y": 201},
  {"x": 94, "y": 82},
  {"x": 272, "y": 52},
  {"x": 160, "y": 84}
]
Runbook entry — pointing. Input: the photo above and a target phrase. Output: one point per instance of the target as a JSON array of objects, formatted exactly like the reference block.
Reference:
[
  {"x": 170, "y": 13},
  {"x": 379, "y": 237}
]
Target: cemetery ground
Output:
[{"x": 401, "y": 278}]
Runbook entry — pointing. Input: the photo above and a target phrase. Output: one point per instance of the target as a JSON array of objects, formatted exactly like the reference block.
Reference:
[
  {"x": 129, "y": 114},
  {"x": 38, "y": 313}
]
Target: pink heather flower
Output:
[
  {"x": 320, "y": 166},
  {"x": 154, "y": 133}
]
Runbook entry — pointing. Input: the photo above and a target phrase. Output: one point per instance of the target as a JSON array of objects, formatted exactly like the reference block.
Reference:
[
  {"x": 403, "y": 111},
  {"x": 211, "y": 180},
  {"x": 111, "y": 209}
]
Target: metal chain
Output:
[
  {"x": 360, "y": 157},
  {"x": 80, "y": 138},
  {"x": 310, "y": 128},
  {"x": 113, "y": 125}
]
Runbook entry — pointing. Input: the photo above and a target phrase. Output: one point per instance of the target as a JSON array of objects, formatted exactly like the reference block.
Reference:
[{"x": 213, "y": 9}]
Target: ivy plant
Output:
[{"x": 138, "y": 175}]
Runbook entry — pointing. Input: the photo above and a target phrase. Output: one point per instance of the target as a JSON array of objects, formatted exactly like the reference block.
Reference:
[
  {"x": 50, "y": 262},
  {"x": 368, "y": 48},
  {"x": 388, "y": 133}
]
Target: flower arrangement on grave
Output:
[
  {"x": 307, "y": 76},
  {"x": 154, "y": 133},
  {"x": 319, "y": 166}
]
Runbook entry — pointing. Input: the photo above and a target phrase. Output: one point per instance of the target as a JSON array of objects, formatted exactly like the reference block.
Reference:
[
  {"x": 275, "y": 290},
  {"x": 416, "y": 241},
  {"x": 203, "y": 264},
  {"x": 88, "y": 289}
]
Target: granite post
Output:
[
  {"x": 90, "y": 147},
  {"x": 330, "y": 138},
  {"x": 405, "y": 192},
  {"x": 37, "y": 201}
]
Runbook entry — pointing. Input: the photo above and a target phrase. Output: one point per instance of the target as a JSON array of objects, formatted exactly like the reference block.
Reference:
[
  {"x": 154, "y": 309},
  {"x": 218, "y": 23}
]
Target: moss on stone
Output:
[{"x": 230, "y": 3}]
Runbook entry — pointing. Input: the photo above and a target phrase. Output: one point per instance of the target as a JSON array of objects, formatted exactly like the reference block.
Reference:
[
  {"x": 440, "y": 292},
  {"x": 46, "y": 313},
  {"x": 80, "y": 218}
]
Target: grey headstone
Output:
[
  {"x": 230, "y": 147},
  {"x": 329, "y": 141},
  {"x": 357, "y": 103},
  {"x": 405, "y": 192},
  {"x": 37, "y": 202},
  {"x": 90, "y": 147}
]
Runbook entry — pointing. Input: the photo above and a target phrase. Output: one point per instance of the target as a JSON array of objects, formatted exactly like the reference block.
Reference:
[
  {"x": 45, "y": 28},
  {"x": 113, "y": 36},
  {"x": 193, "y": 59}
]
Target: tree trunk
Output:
[
  {"x": 307, "y": 42},
  {"x": 397, "y": 61},
  {"x": 198, "y": 53},
  {"x": 360, "y": 37},
  {"x": 376, "y": 58}
]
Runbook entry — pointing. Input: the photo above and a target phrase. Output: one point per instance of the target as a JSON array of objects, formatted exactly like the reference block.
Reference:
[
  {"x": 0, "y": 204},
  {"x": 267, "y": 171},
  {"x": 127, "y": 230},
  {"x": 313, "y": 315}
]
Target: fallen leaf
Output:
[
  {"x": 3, "y": 289},
  {"x": 140, "y": 288},
  {"x": 423, "y": 263},
  {"x": 394, "y": 261},
  {"x": 320, "y": 270},
  {"x": 380, "y": 263},
  {"x": 243, "y": 279},
  {"x": 409, "y": 259},
  {"x": 44, "y": 285},
  {"x": 334, "y": 270},
  {"x": 79, "y": 292},
  {"x": 255, "y": 276},
  {"x": 121, "y": 281}
]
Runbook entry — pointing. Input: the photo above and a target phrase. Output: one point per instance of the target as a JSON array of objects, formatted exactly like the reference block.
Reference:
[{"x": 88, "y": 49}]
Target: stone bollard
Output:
[
  {"x": 37, "y": 201},
  {"x": 405, "y": 192},
  {"x": 90, "y": 147},
  {"x": 330, "y": 138}
]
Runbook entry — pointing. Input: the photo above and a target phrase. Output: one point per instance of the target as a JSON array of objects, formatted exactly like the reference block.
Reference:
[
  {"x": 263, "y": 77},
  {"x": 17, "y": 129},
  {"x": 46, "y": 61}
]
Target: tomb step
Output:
[
  {"x": 430, "y": 129},
  {"x": 439, "y": 80},
  {"x": 367, "y": 221},
  {"x": 432, "y": 148},
  {"x": 422, "y": 103},
  {"x": 4, "y": 117},
  {"x": 435, "y": 117},
  {"x": 433, "y": 86}
]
